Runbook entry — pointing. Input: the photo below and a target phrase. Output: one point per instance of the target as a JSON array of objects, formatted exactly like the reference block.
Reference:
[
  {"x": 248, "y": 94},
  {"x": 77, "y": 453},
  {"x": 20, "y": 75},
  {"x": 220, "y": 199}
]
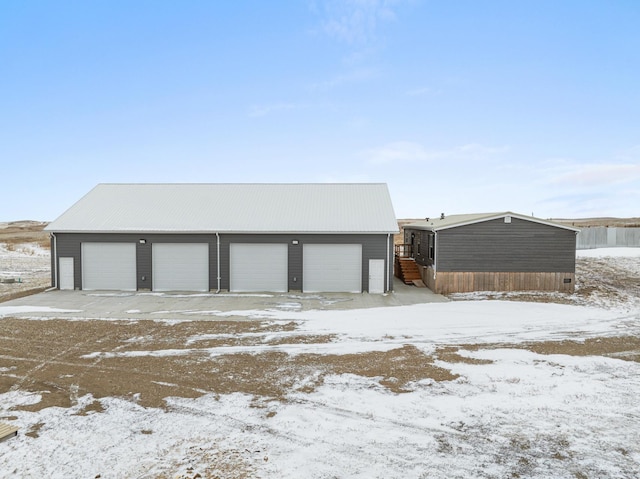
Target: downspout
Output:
[
  {"x": 388, "y": 264},
  {"x": 55, "y": 261},
  {"x": 435, "y": 254},
  {"x": 218, "y": 259}
]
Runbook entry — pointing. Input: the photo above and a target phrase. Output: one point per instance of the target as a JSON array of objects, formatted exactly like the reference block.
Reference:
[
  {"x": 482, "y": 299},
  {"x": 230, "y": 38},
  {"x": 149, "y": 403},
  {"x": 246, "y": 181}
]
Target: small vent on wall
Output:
[{"x": 507, "y": 219}]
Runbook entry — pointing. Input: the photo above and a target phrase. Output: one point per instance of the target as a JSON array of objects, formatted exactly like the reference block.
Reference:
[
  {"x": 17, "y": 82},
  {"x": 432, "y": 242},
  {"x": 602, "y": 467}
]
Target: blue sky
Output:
[{"x": 459, "y": 106}]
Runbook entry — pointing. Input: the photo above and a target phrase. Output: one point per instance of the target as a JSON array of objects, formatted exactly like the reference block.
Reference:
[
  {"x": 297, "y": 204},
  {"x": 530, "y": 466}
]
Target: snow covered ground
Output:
[
  {"x": 28, "y": 265},
  {"x": 509, "y": 412}
]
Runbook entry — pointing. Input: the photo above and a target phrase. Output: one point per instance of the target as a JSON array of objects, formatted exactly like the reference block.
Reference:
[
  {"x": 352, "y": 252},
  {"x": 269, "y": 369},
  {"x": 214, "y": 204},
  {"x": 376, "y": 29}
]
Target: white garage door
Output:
[
  {"x": 180, "y": 266},
  {"x": 258, "y": 267},
  {"x": 109, "y": 266},
  {"x": 332, "y": 268}
]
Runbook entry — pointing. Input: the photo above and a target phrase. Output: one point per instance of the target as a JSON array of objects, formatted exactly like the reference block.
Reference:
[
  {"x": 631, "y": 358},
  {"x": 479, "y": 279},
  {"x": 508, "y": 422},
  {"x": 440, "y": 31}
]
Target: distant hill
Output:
[
  {"x": 16, "y": 232},
  {"x": 605, "y": 221}
]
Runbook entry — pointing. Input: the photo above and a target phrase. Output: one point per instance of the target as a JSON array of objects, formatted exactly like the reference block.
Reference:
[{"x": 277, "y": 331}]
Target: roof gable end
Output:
[{"x": 456, "y": 221}]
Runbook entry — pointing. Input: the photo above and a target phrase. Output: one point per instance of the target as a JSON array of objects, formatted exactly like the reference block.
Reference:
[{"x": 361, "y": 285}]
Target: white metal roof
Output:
[
  {"x": 231, "y": 208},
  {"x": 453, "y": 221}
]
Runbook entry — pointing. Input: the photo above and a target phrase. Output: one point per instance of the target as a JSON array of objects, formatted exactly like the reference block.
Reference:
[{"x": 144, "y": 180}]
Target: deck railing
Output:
[{"x": 404, "y": 250}]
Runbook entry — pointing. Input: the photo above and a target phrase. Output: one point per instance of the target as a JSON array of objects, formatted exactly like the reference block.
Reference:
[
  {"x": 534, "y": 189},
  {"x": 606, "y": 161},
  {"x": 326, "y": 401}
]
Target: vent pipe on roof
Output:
[{"x": 441, "y": 216}]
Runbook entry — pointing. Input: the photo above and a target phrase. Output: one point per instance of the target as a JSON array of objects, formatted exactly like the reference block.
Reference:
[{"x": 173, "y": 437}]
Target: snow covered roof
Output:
[
  {"x": 231, "y": 208},
  {"x": 453, "y": 221}
]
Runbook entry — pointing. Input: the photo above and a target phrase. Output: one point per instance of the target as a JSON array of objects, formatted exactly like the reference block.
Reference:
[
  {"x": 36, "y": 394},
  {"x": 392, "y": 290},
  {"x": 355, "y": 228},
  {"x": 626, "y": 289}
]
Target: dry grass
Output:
[
  {"x": 619, "y": 347},
  {"x": 605, "y": 221},
  {"x": 20, "y": 232}
]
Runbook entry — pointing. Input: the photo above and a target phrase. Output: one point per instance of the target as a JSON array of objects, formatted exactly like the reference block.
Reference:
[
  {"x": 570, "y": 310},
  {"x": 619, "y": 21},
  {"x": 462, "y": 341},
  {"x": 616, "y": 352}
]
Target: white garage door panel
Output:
[
  {"x": 332, "y": 268},
  {"x": 109, "y": 266},
  {"x": 258, "y": 267},
  {"x": 180, "y": 266}
]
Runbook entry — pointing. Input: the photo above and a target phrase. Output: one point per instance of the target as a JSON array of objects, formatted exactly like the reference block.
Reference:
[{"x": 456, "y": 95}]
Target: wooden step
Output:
[
  {"x": 7, "y": 431},
  {"x": 407, "y": 270}
]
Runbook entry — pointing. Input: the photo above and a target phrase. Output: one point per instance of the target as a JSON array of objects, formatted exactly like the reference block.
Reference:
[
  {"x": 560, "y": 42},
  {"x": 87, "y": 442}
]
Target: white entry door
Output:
[
  {"x": 66, "y": 273},
  {"x": 376, "y": 276}
]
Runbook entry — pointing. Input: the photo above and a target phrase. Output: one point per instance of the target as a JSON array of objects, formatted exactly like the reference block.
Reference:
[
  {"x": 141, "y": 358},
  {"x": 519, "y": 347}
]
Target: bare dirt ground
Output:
[
  {"x": 48, "y": 356},
  {"x": 58, "y": 357}
]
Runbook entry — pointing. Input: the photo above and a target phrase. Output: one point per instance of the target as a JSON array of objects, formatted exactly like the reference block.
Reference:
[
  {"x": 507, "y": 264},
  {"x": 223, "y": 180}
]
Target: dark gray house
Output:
[
  {"x": 492, "y": 252},
  {"x": 235, "y": 237}
]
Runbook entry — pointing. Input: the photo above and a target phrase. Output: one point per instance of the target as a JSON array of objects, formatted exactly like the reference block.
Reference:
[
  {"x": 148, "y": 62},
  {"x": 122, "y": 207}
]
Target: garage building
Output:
[{"x": 235, "y": 237}]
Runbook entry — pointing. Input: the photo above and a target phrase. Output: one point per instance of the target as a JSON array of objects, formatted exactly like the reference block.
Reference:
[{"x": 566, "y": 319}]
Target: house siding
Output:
[
  {"x": 493, "y": 255},
  {"x": 374, "y": 246},
  {"x": 421, "y": 246},
  {"x": 496, "y": 246}
]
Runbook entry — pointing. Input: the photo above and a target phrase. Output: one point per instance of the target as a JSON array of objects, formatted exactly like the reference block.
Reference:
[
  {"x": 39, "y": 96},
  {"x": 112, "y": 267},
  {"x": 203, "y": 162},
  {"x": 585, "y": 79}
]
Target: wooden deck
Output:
[{"x": 7, "y": 431}]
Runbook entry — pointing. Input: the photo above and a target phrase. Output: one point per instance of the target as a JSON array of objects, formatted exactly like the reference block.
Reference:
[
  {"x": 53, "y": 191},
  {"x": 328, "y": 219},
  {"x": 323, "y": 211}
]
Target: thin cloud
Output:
[
  {"x": 599, "y": 174},
  {"x": 424, "y": 91},
  {"x": 355, "y": 22},
  {"x": 398, "y": 151},
  {"x": 407, "y": 151},
  {"x": 596, "y": 189},
  {"x": 630, "y": 154},
  {"x": 356, "y": 76},
  {"x": 264, "y": 110}
]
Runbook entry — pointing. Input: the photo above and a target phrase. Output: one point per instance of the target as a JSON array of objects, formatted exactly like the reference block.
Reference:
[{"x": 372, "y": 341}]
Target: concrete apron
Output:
[{"x": 204, "y": 306}]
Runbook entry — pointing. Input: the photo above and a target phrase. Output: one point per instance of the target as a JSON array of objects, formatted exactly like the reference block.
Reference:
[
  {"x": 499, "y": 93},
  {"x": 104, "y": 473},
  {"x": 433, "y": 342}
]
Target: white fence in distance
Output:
[{"x": 603, "y": 237}]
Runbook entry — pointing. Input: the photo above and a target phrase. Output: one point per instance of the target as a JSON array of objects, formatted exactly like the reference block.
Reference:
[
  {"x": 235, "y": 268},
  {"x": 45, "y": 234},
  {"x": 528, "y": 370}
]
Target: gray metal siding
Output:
[
  {"x": 373, "y": 247},
  {"x": 496, "y": 246},
  {"x": 69, "y": 245}
]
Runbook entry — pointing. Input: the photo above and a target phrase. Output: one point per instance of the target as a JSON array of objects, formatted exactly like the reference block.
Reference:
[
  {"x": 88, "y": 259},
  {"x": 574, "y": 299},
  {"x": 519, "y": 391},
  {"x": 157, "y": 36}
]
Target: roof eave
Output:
[
  {"x": 212, "y": 232},
  {"x": 491, "y": 218}
]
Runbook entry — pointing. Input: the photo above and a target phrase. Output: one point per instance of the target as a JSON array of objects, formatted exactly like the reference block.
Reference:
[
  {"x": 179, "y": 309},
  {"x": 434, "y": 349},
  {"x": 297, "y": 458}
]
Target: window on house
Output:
[{"x": 430, "y": 246}]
